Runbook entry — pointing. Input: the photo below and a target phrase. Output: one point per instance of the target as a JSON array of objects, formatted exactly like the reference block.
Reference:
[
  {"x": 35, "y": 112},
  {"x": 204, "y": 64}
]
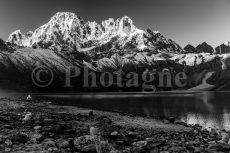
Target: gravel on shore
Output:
[{"x": 35, "y": 126}]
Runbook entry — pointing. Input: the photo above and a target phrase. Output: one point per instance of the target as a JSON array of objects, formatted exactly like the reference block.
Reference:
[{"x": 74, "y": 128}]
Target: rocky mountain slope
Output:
[
  {"x": 206, "y": 48},
  {"x": 17, "y": 67},
  {"x": 3, "y": 46},
  {"x": 190, "y": 49},
  {"x": 223, "y": 48},
  {"x": 201, "y": 48}
]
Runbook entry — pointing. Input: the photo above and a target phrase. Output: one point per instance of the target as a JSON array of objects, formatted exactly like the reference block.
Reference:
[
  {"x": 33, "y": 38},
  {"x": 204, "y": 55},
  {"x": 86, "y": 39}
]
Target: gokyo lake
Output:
[{"x": 209, "y": 109}]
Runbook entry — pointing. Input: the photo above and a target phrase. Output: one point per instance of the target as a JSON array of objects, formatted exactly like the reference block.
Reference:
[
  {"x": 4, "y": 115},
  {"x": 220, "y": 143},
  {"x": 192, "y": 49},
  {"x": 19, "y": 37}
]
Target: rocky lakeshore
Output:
[{"x": 35, "y": 126}]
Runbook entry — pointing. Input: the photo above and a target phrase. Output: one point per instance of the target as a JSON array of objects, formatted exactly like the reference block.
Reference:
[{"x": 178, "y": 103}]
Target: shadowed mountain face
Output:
[
  {"x": 204, "y": 48},
  {"x": 201, "y": 48},
  {"x": 223, "y": 48},
  {"x": 66, "y": 41},
  {"x": 17, "y": 67},
  {"x": 190, "y": 49},
  {"x": 3, "y": 45}
]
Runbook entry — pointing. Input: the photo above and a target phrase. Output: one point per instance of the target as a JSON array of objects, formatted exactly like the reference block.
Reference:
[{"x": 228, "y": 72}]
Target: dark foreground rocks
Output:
[{"x": 43, "y": 128}]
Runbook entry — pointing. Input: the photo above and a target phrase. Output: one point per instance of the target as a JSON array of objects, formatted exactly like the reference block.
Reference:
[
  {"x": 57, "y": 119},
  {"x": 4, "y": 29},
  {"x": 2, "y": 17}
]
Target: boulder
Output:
[{"x": 85, "y": 144}]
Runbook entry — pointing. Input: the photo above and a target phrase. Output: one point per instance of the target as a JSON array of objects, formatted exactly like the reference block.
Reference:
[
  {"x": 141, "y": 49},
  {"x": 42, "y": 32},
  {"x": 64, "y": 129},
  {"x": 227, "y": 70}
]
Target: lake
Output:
[{"x": 209, "y": 109}]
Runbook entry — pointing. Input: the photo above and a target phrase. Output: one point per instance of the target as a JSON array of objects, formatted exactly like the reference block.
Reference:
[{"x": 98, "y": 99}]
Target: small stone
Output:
[
  {"x": 27, "y": 116},
  {"x": 48, "y": 120},
  {"x": 140, "y": 144},
  {"x": 37, "y": 122},
  {"x": 8, "y": 142},
  {"x": 20, "y": 138},
  {"x": 164, "y": 152},
  {"x": 166, "y": 147},
  {"x": 192, "y": 143},
  {"x": 196, "y": 149},
  {"x": 1, "y": 138},
  {"x": 212, "y": 142},
  {"x": 49, "y": 143},
  {"x": 114, "y": 134},
  {"x": 177, "y": 149},
  {"x": 166, "y": 121},
  {"x": 40, "y": 137},
  {"x": 37, "y": 128},
  {"x": 150, "y": 139},
  {"x": 105, "y": 147},
  {"x": 7, "y": 149},
  {"x": 229, "y": 142},
  {"x": 158, "y": 143},
  {"x": 94, "y": 131},
  {"x": 85, "y": 144},
  {"x": 155, "y": 150},
  {"x": 63, "y": 144},
  {"x": 132, "y": 134}
]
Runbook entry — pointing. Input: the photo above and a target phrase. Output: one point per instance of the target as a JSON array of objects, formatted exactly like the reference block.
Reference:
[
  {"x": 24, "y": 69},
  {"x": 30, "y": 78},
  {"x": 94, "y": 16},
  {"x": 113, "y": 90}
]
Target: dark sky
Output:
[{"x": 184, "y": 21}]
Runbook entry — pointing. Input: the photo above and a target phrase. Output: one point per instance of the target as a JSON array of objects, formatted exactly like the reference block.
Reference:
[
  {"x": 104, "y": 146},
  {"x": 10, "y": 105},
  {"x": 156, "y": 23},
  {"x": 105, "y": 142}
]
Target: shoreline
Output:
[{"x": 42, "y": 127}]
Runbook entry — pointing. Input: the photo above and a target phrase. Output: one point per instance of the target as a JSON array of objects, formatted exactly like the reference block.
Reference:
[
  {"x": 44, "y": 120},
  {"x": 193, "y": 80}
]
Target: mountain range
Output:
[
  {"x": 67, "y": 31},
  {"x": 67, "y": 40},
  {"x": 206, "y": 48}
]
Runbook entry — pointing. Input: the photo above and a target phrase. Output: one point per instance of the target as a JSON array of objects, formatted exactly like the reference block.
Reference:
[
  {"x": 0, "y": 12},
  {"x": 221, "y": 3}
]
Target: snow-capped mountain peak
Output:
[
  {"x": 16, "y": 36},
  {"x": 125, "y": 25},
  {"x": 66, "y": 21},
  {"x": 66, "y": 30},
  {"x": 227, "y": 43}
]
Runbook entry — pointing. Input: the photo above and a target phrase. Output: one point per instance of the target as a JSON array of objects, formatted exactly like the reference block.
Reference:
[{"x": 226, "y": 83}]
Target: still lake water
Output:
[{"x": 209, "y": 109}]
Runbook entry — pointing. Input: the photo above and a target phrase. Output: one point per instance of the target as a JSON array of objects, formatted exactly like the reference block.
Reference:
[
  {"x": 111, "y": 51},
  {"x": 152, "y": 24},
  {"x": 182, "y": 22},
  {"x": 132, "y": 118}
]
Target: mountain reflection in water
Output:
[{"x": 209, "y": 109}]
